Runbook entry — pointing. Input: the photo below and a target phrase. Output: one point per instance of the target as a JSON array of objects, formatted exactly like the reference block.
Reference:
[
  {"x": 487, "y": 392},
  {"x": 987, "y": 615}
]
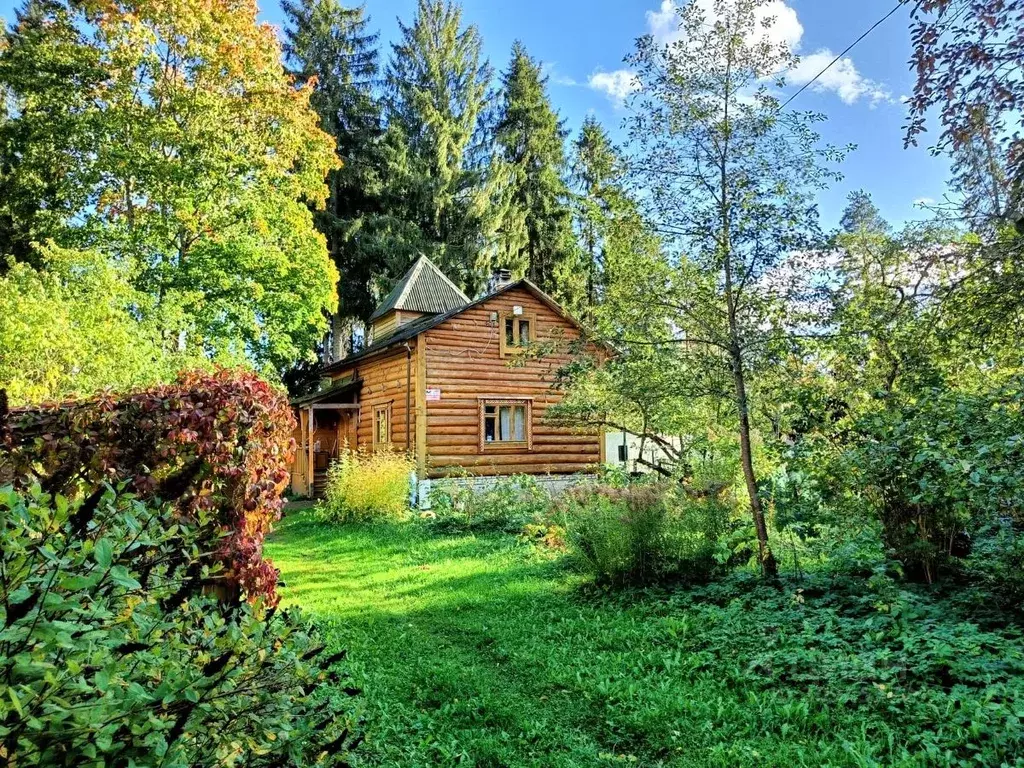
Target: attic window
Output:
[
  {"x": 517, "y": 331},
  {"x": 506, "y": 423}
]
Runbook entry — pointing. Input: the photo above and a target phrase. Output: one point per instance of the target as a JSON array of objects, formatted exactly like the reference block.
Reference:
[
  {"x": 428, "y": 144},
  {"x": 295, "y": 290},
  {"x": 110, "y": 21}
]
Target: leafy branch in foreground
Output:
[{"x": 114, "y": 649}]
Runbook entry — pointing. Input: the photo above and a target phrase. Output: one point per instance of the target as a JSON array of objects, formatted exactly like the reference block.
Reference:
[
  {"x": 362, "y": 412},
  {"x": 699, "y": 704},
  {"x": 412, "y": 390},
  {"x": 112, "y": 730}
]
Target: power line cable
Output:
[{"x": 849, "y": 48}]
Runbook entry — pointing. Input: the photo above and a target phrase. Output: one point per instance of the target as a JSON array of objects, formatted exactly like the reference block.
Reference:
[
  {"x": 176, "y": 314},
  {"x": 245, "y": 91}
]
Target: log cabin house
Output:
[{"x": 445, "y": 379}]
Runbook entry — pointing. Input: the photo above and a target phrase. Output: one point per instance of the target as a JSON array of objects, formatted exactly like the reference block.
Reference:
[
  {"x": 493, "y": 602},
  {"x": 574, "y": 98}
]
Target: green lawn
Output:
[{"x": 481, "y": 651}]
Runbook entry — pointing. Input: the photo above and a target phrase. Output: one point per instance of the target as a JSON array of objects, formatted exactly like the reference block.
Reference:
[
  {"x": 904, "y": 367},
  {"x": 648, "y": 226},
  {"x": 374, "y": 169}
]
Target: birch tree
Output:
[{"x": 730, "y": 179}]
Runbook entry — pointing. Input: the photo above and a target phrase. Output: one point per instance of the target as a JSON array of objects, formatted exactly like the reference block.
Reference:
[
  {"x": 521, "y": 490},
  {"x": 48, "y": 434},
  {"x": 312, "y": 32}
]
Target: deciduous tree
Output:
[
  {"x": 170, "y": 139},
  {"x": 969, "y": 60},
  {"x": 731, "y": 178}
]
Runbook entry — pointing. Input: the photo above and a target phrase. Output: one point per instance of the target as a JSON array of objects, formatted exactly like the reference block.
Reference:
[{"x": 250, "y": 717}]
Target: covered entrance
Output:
[{"x": 328, "y": 421}]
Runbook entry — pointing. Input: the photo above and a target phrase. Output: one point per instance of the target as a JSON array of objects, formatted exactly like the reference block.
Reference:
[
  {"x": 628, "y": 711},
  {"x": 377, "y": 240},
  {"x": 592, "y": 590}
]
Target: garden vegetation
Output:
[
  {"x": 139, "y": 616},
  {"x": 363, "y": 486},
  {"x": 823, "y": 568}
]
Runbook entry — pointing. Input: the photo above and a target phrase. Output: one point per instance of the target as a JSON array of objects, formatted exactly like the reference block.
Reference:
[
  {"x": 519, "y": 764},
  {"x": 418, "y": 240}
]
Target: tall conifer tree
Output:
[
  {"x": 536, "y": 235},
  {"x": 438, "y": 83},
  {"x": 329, "y": 42},
  {"x": 597, "y": 174}
]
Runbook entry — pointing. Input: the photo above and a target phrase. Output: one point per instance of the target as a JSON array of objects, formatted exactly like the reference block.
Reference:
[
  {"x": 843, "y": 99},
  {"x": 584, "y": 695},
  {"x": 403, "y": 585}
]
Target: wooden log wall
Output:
[
  {"x": 384, "y": 382},
  {"x": 463, "y": 361}
]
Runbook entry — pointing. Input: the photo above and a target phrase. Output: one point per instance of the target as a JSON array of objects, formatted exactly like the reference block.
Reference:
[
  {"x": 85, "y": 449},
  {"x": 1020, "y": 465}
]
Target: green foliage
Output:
[
  {"x": 536, "y": 234},
  {"x": 642, "y": 533},
  {"x": 612, "y": 235},
  {"x": 116, "y": 649},
  {"x": 514, "y": 666},
  {"x": 506, "y": 505},
  {"x": 440, "y": 186},
  {"x": 329, "y": 44},
  {"x": 364, "y": 486},
  {"x": 939, "y": 468},
  {"x": 861, "y": 215},
  {"x": 167, "y": 136},
  {"x": 996, "y": 563},
  {"x": 72, "y": 327}
]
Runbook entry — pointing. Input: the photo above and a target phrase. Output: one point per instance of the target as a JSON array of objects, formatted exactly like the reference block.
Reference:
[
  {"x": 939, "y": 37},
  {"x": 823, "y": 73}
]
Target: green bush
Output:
[
  {"x": 996, "y": 564},
  {"x": 364, "y": 486},
  {"x": 641, "y": 534},
  {"x": 119, "y": 649},
  {"x": 934, "y": 471},
  {"x": 507, "y": 505}
]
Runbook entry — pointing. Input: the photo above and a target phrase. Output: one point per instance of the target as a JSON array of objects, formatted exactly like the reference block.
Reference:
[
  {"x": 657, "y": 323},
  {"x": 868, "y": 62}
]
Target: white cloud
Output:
[
  {"x": 841, "y": 78},
  {"x": 549, "y": 69},
  {"x": 924, "y": 201},
  {"x": 615, "y": 85},
  {"x": 784, "y": 26}
]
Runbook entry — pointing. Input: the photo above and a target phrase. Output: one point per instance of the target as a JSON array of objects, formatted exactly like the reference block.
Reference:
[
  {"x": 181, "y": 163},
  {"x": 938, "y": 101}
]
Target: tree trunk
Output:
[
  {"x": 768, "y": 565},
  {"x": 735, "y": 349},
  {"x": 340, "y": 333}
]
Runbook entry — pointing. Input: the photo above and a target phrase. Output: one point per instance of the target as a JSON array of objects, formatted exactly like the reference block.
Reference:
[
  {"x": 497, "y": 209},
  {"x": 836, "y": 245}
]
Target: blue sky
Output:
[{"x": 582, "y": 44}]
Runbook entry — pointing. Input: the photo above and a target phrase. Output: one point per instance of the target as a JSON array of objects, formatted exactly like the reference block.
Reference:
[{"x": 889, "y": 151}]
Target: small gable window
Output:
[
  {"x": 506, "y": 423},
  {"x": 517, "y": 331}
]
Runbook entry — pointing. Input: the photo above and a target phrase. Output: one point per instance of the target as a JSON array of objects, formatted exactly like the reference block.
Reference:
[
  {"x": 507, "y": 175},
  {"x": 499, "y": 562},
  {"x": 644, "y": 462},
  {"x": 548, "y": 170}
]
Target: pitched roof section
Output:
[
  {"x": 423, "y": 289},
  {"x": 418, "y": 326}
]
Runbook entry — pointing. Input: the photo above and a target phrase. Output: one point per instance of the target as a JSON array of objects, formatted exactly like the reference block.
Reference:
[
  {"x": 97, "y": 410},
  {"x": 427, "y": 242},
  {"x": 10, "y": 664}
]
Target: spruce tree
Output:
[
  {"x": 597, "y": 174},
  {"x": 328, "y": 42},
  {"x": 861, "y": 215},
  {"x": 440, "y": 186},
  {"x": 536, "y": 235}
]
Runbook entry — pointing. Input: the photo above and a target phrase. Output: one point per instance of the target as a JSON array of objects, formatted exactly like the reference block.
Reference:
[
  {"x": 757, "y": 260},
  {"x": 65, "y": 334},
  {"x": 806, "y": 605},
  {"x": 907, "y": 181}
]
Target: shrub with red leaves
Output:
[{"x": 215, "y": 441}]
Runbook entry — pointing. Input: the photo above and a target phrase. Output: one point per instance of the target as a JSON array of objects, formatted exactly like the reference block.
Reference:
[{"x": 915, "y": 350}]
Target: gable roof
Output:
[
  {"x": 424, "y": 288},
  {"x": 418, "y": 326}
]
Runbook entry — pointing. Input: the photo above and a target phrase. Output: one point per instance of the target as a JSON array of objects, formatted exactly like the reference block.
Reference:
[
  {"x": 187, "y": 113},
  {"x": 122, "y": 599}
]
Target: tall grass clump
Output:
[
  {"x": 365, "y": 486},
  {"x": 642, "y": 534}
]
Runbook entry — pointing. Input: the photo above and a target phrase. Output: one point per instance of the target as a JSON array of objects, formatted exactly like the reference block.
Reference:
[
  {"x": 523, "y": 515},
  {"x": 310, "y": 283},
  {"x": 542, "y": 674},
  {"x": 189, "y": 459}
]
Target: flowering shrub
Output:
[
  {"x": 364, "y": 486},
  {"x": 216, "y": 443},
  {"x": 115, "y": 652}
]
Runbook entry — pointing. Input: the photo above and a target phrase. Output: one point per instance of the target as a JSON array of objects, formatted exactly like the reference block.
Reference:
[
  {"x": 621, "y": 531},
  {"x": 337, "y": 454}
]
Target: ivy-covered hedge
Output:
[
  {"x": 113, "y": 653},
  {"x": 217, "y": 443}
]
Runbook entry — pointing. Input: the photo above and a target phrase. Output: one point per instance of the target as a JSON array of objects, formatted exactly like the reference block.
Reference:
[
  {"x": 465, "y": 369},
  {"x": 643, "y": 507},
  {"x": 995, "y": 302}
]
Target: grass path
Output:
[{"x": 477, "y": 651}]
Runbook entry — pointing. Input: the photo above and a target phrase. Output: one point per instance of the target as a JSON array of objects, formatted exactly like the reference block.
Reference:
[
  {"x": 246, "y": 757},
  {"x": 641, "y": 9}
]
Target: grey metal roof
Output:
[{"x": 424, "y": 288}]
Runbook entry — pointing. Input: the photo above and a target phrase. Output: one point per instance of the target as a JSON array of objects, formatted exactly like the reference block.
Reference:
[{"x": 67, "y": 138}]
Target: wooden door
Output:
[{"x": 348, "y": 429}]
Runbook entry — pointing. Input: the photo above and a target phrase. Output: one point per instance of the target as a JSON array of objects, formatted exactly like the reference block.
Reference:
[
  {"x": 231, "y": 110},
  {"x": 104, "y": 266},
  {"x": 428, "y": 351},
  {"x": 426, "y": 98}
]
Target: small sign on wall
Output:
[{"x": 433, "y": 394}]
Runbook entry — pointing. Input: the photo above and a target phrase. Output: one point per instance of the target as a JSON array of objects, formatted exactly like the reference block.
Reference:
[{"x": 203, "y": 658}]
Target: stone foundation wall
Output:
[{"x": 554, "y": 484}]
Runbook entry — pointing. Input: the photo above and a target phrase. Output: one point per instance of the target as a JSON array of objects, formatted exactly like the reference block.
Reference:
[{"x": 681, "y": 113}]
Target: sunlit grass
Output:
[{"x": 478, "y": 651}]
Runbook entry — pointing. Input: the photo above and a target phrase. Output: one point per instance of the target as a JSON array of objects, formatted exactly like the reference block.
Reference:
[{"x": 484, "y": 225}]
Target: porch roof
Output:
[{"x": 331, "y": 394}]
